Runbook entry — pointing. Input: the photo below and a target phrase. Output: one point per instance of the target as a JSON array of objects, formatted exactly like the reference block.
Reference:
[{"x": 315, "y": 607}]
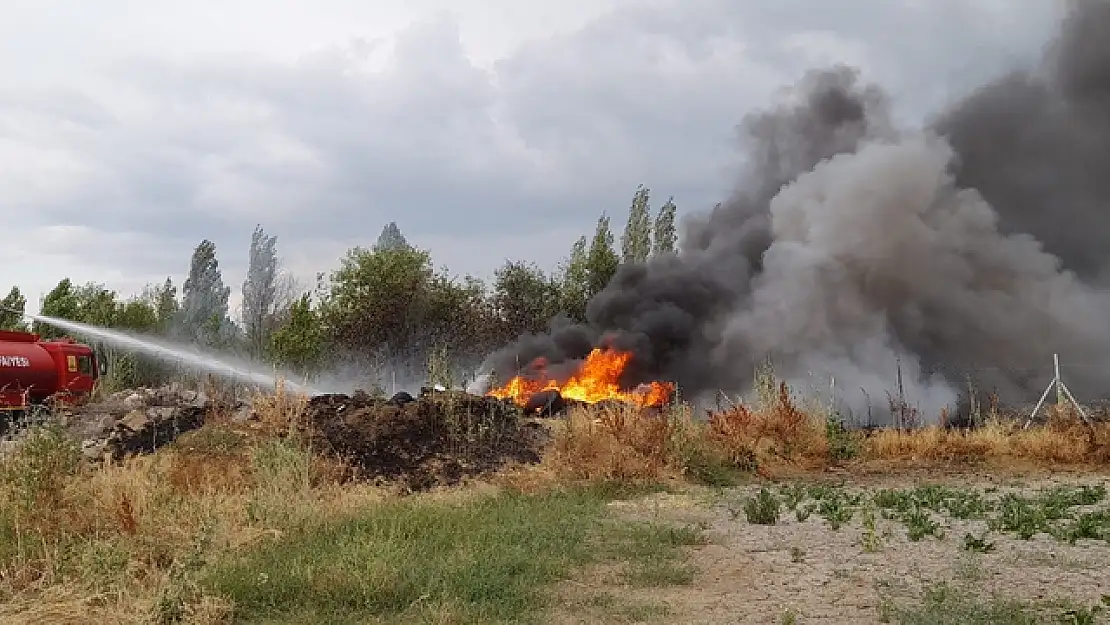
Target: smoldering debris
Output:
[{"x": 852, "y": 249}]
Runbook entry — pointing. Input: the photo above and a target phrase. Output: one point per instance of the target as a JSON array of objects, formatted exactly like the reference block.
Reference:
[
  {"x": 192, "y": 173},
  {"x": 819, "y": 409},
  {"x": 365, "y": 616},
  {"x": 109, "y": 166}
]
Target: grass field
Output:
[{"x": 766, "y": 514}]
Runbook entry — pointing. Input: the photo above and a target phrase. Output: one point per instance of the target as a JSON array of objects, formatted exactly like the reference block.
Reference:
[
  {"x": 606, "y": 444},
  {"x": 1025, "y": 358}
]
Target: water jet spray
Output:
[{"x": 187, "y": 356}]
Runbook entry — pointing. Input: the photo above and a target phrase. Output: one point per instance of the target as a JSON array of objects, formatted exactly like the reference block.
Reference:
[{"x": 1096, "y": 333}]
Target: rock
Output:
[
  {"x": 200, "y": 401},
  {"x": 93, "y": 450},
  {"x": 135, "y": 420},
  {"x": 138, "y": 420}
]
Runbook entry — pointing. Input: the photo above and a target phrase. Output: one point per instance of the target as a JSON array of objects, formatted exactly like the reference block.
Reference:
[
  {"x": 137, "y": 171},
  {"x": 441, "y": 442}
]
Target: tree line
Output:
[{"x": 386, "y": 307}]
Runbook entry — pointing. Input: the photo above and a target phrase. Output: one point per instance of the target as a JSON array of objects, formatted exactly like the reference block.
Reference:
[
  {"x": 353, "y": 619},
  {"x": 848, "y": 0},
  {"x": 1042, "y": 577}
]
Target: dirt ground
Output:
[{"x": 805, "y": 572}]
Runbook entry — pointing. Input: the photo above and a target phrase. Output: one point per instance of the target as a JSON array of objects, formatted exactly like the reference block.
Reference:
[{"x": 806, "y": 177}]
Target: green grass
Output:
[
  {"x": 1067, "y": 513},
  {"x": 652, "y": 553},
  {"x": 945, "y": 605},
  {"x": 484, "y": 561},
  {"x": 608, "y": 606}
]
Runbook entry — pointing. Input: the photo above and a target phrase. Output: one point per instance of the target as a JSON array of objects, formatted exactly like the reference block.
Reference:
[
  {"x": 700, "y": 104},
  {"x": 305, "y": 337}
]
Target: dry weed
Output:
[
  {"x": 123, "y": 541},
  {"x": 625, "y": 444},
  {"x": 115, "y": 544},
  {"x": 779, "y": 432},
  {"x": 633, "y": 445},
  {"x": 1065, "y": 441},
  {"x": 279, "y": 412}
]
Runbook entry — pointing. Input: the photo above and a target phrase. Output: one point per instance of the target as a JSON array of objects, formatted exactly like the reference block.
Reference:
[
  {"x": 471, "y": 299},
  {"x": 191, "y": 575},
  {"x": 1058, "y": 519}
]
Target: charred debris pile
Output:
[{"x": 438, "y": 437}]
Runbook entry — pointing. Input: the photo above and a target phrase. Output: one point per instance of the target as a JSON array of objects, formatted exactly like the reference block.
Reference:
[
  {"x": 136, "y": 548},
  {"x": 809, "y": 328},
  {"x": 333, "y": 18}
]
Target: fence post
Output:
[{"x": 1062, "y": 393}]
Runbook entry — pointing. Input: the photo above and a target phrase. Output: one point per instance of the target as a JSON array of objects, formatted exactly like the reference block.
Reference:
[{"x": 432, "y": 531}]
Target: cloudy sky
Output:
[{"x": 487, "y": 129}]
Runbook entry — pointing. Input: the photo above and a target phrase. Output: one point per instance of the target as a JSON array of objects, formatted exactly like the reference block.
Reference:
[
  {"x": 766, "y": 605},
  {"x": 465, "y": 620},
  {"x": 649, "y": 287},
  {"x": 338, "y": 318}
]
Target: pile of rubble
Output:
[
  {"x": 137, "y": 420},
  {"x": 438, "y": 438}
]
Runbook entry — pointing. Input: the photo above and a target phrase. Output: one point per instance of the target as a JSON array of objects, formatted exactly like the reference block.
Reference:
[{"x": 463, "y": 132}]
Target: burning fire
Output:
[{"x": 597, "y": 379}]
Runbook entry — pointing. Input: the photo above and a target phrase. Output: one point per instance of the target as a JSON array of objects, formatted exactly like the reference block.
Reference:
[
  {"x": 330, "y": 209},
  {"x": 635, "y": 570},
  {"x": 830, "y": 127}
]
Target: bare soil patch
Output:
[{"x": 804, "y": 571}]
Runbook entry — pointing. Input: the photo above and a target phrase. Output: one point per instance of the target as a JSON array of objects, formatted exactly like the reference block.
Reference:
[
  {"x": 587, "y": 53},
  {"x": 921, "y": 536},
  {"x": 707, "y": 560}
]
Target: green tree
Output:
[
  {"x": 376, "y": 297},
  {"x": 602, "y": 260},
  {"x": 665, "y": 235},
  {"x": 391, "y": 305},
  {"x": 458, "y": 324},
  {"x": 163, "y": 300},
  {"x": 136, "y": 314},
  {"x": 524, "y": 298},
  {"x": 391, "y": 238},
  {"x": 12, "y": 308},
  {"x": 61, "y": 302},
  {"x": 575, "y": 280},
  {"x": 636, "y": 240},
  {"x": 300, "y": 342},
  {"x": 260, "y": 292},
  {"x": 96, "y": 305},
  {"x": 203, "y": 317},
  {"x": 126, "y": 368}
]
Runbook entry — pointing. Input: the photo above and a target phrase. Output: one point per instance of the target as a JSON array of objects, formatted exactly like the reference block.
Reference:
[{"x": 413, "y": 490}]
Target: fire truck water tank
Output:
[{"x": 26, "y": 366}]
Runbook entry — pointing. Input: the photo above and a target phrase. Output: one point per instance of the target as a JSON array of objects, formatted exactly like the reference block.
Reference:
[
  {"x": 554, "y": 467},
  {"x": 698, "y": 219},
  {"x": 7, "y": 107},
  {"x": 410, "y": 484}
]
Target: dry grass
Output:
[
  {"x": 779, "y": 435},
  {"x": 619, "y": 444},
  {"x": 1066, "y": 441},
  {"x": 279, "y": 412},
  {"x": 121, "y": 539},
  {"x": 122, "y": 543},
  {"x": 126, "y": 542},
  {"x": 635, "y": 446},
  {"x": 185, "y": 535}
]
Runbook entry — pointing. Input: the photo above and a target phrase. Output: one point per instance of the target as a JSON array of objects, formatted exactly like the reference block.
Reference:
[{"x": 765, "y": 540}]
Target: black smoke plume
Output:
[{"x": 851, "y": 248}]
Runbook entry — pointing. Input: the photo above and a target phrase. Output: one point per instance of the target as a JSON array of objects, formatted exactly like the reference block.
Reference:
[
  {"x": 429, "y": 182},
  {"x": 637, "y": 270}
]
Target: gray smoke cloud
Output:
[{"x": 852, "y": 248}]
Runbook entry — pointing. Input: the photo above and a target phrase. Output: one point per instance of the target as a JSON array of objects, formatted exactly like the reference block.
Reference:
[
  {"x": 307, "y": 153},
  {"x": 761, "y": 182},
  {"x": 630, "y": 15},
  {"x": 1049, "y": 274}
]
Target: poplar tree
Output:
[
  {"x": 602, "y": 261},
  {"x": 260, "y": 291},
  {"x": 665, "y": 236},
  {"x": 636, "y": 241},
  {"x": 203, "y": 317}
]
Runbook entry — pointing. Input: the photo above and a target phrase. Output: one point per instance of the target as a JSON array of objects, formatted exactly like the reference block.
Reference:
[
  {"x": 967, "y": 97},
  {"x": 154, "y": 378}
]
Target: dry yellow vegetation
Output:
[{"x": 162, "y": 538}]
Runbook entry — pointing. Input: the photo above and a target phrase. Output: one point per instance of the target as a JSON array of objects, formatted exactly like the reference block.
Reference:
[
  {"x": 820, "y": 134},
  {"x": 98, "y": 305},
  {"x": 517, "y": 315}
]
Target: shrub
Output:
[{"x": 763, "y": 509}]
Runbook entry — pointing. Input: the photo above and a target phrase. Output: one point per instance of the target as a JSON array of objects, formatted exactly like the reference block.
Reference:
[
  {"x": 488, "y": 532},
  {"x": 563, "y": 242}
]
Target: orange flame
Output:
[{"x": 597, "y": 379}]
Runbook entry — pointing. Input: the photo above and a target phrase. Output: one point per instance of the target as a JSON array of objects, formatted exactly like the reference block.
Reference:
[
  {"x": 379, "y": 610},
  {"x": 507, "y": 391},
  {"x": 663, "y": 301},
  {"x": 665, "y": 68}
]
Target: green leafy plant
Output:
[
  {"x": 977, "y": 544},
  {"x": 763, "y": 509}
]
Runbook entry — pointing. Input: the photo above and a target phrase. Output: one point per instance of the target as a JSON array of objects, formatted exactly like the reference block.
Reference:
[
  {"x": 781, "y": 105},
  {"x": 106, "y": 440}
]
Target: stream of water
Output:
[{"x": 182, "y": 355}]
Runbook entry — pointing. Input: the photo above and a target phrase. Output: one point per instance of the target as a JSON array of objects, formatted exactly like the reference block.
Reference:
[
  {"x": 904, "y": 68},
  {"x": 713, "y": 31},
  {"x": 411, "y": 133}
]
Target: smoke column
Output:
[{"x": 851, "y": 247}]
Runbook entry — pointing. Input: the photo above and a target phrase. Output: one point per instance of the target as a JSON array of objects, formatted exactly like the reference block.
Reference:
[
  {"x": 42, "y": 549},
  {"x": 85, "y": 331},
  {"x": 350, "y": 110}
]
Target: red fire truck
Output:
[{"x": 36, "y": 371}]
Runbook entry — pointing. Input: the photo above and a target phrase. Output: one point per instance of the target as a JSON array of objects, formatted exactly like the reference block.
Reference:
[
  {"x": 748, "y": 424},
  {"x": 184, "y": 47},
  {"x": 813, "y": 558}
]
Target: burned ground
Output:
[{"x": 439, "y": 438}]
